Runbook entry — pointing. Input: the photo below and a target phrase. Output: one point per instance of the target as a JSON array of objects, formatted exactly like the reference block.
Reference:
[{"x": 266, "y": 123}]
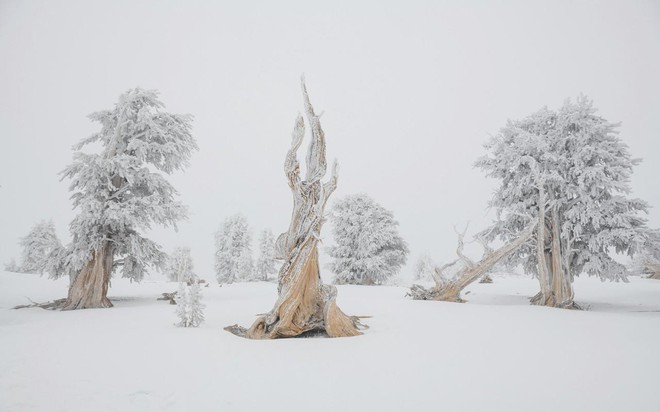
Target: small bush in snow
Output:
[{"x": 189, "y": 305}]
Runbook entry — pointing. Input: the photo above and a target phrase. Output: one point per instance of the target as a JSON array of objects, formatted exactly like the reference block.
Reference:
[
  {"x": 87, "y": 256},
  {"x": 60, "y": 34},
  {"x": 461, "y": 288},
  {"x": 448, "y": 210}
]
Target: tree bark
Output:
[
  {"x": 560, "y": 294},
  {"x": 90, "y": 287},
  {"x": 304, "y": 304},
  {"x": 450, "y": 291}
]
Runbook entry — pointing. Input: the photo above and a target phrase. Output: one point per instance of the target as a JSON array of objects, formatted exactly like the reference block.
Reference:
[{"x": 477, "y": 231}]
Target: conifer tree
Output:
[
  {"x": 11, "y": 266},
  {"x": 369, "y": 249},
  {"x": 179, "y": 266},
  {"x": 119, "y": 193},
  {"x": 190, "y": 309},
  {"x": 233, "y": 256},
  {"x": 37, "y": 245},
  {"x": 266, "y": 261},
  {"x": 570, "y": 171}
]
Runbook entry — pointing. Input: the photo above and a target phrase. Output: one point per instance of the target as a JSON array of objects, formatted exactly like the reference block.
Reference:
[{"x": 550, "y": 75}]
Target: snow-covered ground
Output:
[{"x": 494, "y": 353}]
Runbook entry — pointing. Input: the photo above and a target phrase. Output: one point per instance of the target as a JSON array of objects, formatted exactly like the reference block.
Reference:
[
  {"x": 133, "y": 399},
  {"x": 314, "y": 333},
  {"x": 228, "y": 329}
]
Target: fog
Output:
[{"x": 410, "y": 92}]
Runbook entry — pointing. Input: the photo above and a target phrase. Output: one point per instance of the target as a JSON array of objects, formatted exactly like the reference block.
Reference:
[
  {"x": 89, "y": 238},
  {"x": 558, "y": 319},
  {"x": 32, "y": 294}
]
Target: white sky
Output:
[{"x": 410, "y": 90}]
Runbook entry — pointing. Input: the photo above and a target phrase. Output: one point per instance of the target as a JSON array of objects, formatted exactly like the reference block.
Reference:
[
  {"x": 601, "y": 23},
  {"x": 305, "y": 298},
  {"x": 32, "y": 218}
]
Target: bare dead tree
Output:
[
  {"x": 450, "y": 290},
  {"x": 304, "y": 304}
]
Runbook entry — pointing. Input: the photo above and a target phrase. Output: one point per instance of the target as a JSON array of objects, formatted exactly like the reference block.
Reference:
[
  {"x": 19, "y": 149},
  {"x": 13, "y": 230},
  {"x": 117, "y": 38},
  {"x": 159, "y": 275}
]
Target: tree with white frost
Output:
[
  {"x": 119, "y": 194},
  {"x": 647, "y": 261},
  {"x": 266, "y": 262},
  {"x": 12, "y": 266},
  {"x": 37, "y": 245},
  {"x": 233, "y": 255},
  {"x": 179, "y": 266},
  {"x": 368, "y": 249},
  {"x": 569, "y": 171},
  {"x": 424, "y": 267},
  {"x": 190, "y": 309}
]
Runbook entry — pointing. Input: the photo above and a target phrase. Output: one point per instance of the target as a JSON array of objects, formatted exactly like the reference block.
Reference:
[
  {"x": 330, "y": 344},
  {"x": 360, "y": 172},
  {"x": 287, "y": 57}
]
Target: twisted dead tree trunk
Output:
[
  {"x": 90, "y": 287},
  {"x": 555, "y": 280},
  {"x": 304, "y": 303},
  {"x": 450, "y": 290}
]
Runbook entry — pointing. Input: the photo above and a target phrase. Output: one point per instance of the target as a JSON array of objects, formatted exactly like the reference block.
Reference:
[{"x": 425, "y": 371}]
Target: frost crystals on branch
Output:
[
  {"x": 118, "y": 196},
  {"x": 304, "y": 304}
]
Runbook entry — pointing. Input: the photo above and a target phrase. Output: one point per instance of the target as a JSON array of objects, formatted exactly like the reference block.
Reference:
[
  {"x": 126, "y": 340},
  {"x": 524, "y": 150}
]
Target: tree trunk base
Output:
[
  {"x": 550, "y": 301},
  {"x": 89, "y": 290},
  {"x": 304, "y": 307}
]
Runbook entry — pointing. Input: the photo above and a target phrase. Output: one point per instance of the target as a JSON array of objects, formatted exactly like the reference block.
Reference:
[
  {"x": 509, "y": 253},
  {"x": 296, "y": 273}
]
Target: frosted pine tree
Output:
[
  {"x": 369, "y": 249},
  {"x": 233, "y": 256},
  {"x": 569, "y": 171},
  {"x": 266, "y": 261},
  {"x": 179, "y": 266},
  {"x": 37, "y": 245},
  {"x": 190, "y": 309},
  {"x": 11, "y": 266},
  {"x": 424, "y": 268},
  {"x": 647, "y": 261},
  {"x": 119, "y": 193},
  {"x": 246, "y": 270}
]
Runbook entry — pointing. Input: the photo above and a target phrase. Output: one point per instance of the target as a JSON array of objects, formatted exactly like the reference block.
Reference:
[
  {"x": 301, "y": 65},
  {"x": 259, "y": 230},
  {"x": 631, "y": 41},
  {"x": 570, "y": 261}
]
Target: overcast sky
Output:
[{"x": 410, "y": 92}]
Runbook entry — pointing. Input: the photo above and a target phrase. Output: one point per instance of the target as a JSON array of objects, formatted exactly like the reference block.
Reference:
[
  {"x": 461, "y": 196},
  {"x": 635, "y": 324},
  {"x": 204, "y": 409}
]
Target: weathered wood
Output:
[
  {"x": 90, "y": 288},
  {"x": 55, "y": 304},
  {"x": 171, "y": 297},
  {"x": 450, "y": 291},
  {"x": 304, "y": 304}
]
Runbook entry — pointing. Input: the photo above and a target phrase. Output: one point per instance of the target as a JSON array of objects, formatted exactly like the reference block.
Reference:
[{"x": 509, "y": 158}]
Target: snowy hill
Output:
[{"x": 493, "y": 353}]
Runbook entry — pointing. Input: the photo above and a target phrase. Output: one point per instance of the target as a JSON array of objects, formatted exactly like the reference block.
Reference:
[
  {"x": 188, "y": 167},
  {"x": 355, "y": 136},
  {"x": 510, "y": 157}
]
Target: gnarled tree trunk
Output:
[
  {"x": 554, "y": 271},
  {"x": 450, "y": 291},
  {"x": 90, "y": 287},
  {"x": 304, "y": 303}
]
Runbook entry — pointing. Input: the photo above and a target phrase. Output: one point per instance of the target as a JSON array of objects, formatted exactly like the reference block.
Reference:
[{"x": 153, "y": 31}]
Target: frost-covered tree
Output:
[
  {"x": 568, "y": 170},
  {"x": 233, "y": 250},
  {"x": 245, "y": 268},
  {"x": 37, "y": 245},
  {"x": 369, "y": 249},
  {"x": 647, "y": 261},
  {"x": 179, "y": 266},
  {"x": 190, "y": 309},
  {"x": 11, "y": 266},
  {"x": 266, "y": 261},
  {"x": 423, "y": 270},
  {"x": 119, "y": 193}
]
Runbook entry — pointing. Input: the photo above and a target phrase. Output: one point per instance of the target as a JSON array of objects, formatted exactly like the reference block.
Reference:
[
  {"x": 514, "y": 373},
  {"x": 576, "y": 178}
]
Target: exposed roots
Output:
[
  {"x": 52, "y": 305},
  {"x": 418, "y": 292}
]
